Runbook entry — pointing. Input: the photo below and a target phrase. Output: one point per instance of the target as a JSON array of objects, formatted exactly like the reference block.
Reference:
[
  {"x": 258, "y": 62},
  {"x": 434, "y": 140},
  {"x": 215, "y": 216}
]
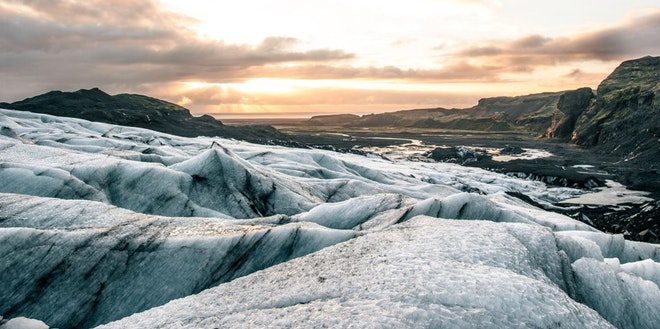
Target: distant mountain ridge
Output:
[
  {"x": 622, "y": 117},
  {"x": 520, "y": 113},
  {"x": 140, "y": 111}
]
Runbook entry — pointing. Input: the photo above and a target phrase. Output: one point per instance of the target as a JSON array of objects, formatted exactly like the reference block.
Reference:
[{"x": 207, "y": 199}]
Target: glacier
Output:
[{"x": 130, "y": 228}]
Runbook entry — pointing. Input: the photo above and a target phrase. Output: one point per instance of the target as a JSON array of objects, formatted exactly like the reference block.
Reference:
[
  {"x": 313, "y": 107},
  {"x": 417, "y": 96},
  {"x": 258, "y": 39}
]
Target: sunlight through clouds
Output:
[{"x": 257, "y": 55}]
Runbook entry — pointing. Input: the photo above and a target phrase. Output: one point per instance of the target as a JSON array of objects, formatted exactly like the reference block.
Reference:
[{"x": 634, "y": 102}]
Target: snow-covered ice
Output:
[
  {"x": 422, "y": 273},
  {"x": 23, "y": 323},
  {"x": 611, "y": 193},
  {"x": 81, "y": 263},
  {"x": 99, "y": 222}
]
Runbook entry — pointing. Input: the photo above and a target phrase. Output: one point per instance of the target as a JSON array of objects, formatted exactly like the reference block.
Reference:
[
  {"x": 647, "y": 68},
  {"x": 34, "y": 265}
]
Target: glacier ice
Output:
[
  {"x": 23, "y": 323},
  {"x": 353, "y": 212},
  {"x": 421, "y": 273},
  {"x": 67, "y": 267},
  {"x": 623, "y": 298},
  {"x": 98, "y": 222},
  {"x": 600, "y": 245}
]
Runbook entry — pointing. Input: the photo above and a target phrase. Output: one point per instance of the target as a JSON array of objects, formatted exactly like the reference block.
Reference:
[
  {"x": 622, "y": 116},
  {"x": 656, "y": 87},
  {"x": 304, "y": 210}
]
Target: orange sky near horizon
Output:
[{"x": 257, "y": 58}]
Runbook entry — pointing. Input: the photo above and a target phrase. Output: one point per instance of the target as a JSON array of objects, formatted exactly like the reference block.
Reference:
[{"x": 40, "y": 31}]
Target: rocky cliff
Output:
[
  {"x": 570, "y": 107},
  {"x": 624, "y": 119}
]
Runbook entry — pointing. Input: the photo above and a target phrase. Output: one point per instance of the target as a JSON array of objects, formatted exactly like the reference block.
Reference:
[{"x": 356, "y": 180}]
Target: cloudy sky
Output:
[{"x": 264, "y": 57}]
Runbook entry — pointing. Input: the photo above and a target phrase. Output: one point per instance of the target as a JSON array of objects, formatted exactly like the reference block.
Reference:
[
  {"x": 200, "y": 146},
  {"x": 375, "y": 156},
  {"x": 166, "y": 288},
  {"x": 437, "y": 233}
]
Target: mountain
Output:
[
  {"x": 625, "y": 117},
  {"x": 102, "y": 223},
  {"x": 530, "y": 113},
  {"x": 622, "y": 118},
  {"x": 140, "y": 111}
]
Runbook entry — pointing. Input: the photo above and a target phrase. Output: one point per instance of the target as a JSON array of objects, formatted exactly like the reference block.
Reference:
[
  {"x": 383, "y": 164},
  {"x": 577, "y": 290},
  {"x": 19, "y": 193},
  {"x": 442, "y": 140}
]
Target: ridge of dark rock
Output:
[
  {"x": 532, "y": 112},
  {"x": 624, "y": 120},
  {"x": 143, "y": 112}
]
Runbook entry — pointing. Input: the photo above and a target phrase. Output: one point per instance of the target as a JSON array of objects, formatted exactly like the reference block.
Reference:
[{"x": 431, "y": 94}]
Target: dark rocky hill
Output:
[
  {"x": 531, "y": 113},
  {"x": 624, "y": 120},
  {"x": 141, "y": 111}
]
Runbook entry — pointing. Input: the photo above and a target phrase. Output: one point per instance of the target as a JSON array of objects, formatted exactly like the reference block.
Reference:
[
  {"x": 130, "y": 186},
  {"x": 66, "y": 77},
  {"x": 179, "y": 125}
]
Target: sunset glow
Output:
[{"x": 293, "y": 58}]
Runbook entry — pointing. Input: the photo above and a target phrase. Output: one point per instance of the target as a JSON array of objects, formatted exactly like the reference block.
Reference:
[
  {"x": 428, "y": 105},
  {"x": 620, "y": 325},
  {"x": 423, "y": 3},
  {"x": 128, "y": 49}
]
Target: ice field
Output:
[{"x": 103, "y": 223}]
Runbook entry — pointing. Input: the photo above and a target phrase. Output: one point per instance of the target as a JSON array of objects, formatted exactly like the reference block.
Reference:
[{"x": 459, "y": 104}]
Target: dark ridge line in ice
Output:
[{"x": 100, "y": 258}]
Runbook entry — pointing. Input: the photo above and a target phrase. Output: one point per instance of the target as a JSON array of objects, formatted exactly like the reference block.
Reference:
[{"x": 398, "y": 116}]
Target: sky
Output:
[{"x": 286, "y": 58}]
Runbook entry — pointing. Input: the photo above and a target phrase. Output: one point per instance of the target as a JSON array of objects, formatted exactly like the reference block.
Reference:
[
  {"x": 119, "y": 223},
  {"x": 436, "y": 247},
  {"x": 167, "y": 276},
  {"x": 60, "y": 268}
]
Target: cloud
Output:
[
  {"x": 635, "y": 37},
  {"x": 580, "y": 76},
  {"x": 74, "y": 44},
  {"x": 493, "y": 60},
  {"x": 59, "y": 25},
  {"x": 217, "y": 99},
  {"x": 138, "y": 46},
  {"x": 574, "y": 73},
  {"x": 487, "y": 3},
  {"x": 450, "y": 72}
]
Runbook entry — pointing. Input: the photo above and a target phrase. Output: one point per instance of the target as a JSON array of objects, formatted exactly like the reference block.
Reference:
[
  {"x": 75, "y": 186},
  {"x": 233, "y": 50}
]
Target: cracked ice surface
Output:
[
  {"x": 81, "y": 263},
  {"x": 422, "y": 273},
  {"x": 98, "y": 222},
  {"x": 167, "y": 175}
]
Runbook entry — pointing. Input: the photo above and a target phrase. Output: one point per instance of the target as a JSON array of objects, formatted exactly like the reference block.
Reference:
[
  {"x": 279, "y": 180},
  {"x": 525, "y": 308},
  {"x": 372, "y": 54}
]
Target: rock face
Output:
[
  {"x": 457, "y": 154},
  {"x": 139, "y": 111},
  {"x": 625, "y": 117},
  {"x": 570, "y": 107}
]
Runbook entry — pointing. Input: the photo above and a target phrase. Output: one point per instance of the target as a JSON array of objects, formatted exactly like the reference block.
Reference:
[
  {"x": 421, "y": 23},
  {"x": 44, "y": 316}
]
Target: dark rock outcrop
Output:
[
  {"x": 571, "y": 105},
  {"x": 624, "y": 120},
  {"x": 509, "y": 150},
  {"x": 459, "y": 154},
  {"x": 637, "y": 222},
  {"x": 621, "y": 119},
  {"x": 140, "y": 111}
]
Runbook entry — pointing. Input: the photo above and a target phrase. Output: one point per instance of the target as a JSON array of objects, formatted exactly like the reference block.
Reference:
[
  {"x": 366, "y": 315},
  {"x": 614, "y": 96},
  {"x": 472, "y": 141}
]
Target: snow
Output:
[
  {"x": 414, "y": 149},
  {"x": 601, "y": 245},
  {"x": 351, "y": 213},
  {"x": 527, "y": 154},
  {"x": 93, "y": 270},
  {"x": 101, "y": 222},
  {"x": 636, "y": 302},
  {"x": 422, "y": 273},
  {"x": 23, "y": 323},
  {"x": 612, "y": 193},
  {"x": 583, "y": 166},
  {"x": 167, "y": 175},
  {"x": 646, "y": 269}
]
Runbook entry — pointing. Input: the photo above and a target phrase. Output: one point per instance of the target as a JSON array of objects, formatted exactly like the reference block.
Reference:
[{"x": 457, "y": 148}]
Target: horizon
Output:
[
  {"x": 320, "y": 58},
  {"x": 265, "y": 116}
]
